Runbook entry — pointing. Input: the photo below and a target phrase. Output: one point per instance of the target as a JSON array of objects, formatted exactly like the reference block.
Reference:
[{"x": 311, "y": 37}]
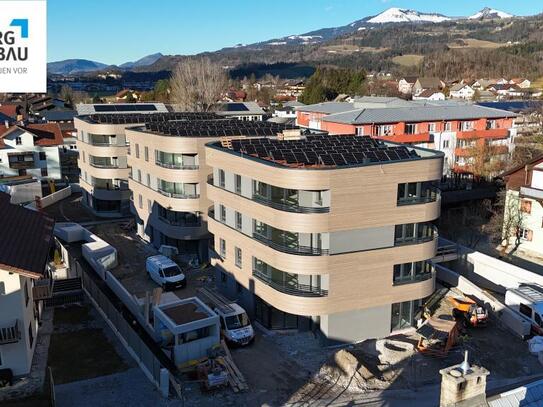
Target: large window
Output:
[
  {"x": 413, "y": 233},
  {"x": 222, "y": 179},
  {"x": 404, "y": 314},
  {"x": 177, "y": 189},
  {"x": 412, "y": 272},
  {"x": 175, "y": 218},
  {"x": 410, "y": 128},
  {"x": 288, "y": 242},
  {"x": 222, "y": 248},
  {"x": 416, "y": 192},
  {"x": 237, "y": 181},
  {"x": 176, "y": 161},
  {"x": 383, "y": 130},
  {"x": 238, "y": 256},
  {"x": 305, "y": 285}
]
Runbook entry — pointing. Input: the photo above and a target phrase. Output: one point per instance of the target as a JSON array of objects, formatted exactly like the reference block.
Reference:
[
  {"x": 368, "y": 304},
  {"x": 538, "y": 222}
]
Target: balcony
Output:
[
  {"x": 10, "y": 334},
  {"x": 293, "y": 248},
  {"x": 417, "y": 278},
  {"x": 281, "y": 206},
  {"x": 530, "y": 192},
  {"x": 42, "y": 289},
  {"x": 432, "y": 194},
  {"x": 21, "y": 161},
  {"x": 104, "y": 165},
  {"x": 176, "y": 166},
  {"x": 178, "y": 195},
  {"x": 476, "y": 134},
  {"x": 295, "y": 289},
  {"x": 418, "y": 239},
  {"x": 179, "y": 223}
]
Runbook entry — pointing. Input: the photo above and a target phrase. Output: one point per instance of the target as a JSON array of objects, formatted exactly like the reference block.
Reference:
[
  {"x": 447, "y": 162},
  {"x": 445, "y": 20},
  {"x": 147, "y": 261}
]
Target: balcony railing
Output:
[
  {"x": 433, "y": 196},
  {"x": 10, "y": 334},
  {"x": 277, "y": 205},
  {"x": 103, "y": 165},
  {"x": 177, "y": 166},
  {"x": 295, "y": 249},
  {"x": 177, "y": 195},
  {"x": 413, "y": 279},
  {"x": 42, "y": 289},
  {"x": 417, "y": 239},
  {"x": 487, "y": 133},
  {"x": 180, "y": 223},
  {"x": 298, "y": 250},
  {"x": 296, "y": 289}
]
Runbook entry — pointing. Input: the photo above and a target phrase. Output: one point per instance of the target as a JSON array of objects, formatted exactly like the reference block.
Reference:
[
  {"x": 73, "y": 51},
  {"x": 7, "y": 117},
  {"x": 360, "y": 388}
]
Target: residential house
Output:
[
  {"x": 103, "y": 150},
  {"x": 423, "y": 84},
  {"x": 13, "y": 110},
  {"x": 430, "y": 94},
  {"x": 524, "y": 185},
  {"x": 522, "y": 83},
  {"x": 288, "y": 110},
  {"x": 506, "y": 90},
  {"x": 278, "y": 221},
  {"x": 482, "y": 84},
  {"x": 26, "y": 239},
  {"x": 170, "y": 172},
  {"x": 31, "y": 149},
  {"x": 405, "y": 84},
  {"x": 246, "y": 111},
  {"x": 449, "y": 126},
  {"x": 461, "y": 91}
]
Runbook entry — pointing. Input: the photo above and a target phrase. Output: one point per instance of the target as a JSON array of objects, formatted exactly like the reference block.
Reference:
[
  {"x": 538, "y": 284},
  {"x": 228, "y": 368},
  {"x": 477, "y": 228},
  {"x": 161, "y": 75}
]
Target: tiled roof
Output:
[
  {"x": 25, "y": 239},
  {"x": 9, "y": 110},
  {"x": 417, "y": 114},
  {"x": 46, "y": 134}
]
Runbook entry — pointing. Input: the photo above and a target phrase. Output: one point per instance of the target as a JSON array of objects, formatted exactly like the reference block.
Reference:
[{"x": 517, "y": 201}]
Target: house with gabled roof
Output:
[
  {"x": 26, "y": 241},
  {"x": 31, "y": 149}
]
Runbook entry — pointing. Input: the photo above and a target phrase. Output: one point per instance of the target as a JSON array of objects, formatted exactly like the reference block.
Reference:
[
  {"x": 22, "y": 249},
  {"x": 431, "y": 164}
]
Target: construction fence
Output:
[{"x": 154, "y": 364}]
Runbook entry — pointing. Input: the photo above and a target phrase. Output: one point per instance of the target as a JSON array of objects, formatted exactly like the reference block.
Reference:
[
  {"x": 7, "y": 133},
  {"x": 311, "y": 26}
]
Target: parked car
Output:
[{"x": 165, "y": 272}]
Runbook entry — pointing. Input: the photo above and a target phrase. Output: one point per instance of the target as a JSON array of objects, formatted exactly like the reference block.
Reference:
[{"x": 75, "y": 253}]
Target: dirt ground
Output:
[
  {"x": 132, "y": 253},
  {"x": 80, "y": 349}
]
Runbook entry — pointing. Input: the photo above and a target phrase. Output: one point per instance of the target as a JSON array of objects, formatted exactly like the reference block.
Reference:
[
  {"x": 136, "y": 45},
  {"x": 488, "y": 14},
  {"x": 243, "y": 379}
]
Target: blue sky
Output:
[{"x": 117, "y": 31}]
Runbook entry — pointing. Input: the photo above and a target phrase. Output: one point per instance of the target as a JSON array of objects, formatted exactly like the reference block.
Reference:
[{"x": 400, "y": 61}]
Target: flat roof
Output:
[
  {"x": 216, "y": 127},
  {"x": 324, "y": 151},
  {"x": 120, "y": 108},
  {"x": 184, "y": 313},
  {"x": 137, "y": 118}
]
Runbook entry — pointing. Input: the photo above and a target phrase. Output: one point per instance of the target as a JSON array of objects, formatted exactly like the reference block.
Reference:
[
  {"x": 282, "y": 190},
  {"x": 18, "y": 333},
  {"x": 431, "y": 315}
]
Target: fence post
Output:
[{"x": 164, "y": 382}]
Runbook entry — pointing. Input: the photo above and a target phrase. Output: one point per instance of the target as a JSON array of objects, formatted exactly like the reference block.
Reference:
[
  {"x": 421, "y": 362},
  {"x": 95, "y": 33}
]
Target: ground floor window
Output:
[
  {"x": 184, "y": 246},
  {"x": 404, "y": 314},
  {"x": 106, "y": 206},
  {"x": 272, "y": 318}
]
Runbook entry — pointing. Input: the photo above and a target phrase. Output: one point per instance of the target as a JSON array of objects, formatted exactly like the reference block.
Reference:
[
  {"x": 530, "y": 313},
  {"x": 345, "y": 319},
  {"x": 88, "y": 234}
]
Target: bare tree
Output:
[
  {"x": 66, "y": 93},
  {"x": 507, "y": 220},
  {"x": 197, "y": 84}
]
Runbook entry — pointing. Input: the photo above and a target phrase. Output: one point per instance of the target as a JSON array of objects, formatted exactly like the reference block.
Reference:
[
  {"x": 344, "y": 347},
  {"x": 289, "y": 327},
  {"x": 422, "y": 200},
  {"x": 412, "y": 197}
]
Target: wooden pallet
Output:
[{"x": 235, "y": 377}]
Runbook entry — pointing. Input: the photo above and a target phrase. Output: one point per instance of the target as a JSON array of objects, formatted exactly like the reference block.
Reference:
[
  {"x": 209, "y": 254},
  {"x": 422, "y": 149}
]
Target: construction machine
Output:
[{"x": 468, "y": 311}]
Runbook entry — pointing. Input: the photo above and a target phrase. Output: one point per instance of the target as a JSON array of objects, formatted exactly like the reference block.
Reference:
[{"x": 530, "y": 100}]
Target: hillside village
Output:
[{"x": 199, "y": 231}]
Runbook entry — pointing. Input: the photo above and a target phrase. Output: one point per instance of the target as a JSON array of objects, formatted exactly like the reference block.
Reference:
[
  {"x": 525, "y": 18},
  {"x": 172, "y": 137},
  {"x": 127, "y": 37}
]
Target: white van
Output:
[
  {"x": 527, "y": 300},
  {"x": 165, "y": 272},
  {"x": 236, "y": 327}
]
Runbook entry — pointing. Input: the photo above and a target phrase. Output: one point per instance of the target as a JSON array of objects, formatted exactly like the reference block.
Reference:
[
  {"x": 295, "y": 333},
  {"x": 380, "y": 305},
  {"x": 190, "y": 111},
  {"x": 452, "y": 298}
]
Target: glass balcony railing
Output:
[
  {"x": 178, "y": 195},
  {"x": 290, "y": 247},
  {"x": 291, "y": 288},
  {"x": 431, "y": 194},
  {"x": 416, "y": 278},
  {"x": 177, "y": 166}
]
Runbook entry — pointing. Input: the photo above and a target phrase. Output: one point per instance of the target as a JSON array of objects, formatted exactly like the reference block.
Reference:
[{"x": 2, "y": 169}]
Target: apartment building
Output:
[
  {"x": 458, "y": 129},
  {"x": 524, "y": 205},
  {"x": 331, "y": 233},
  {"x": 103, "y": 150},
  {"x": 169, "y": 175},
  {"x": 31, "y": 149},
  {"x": 22, "y": 272}
]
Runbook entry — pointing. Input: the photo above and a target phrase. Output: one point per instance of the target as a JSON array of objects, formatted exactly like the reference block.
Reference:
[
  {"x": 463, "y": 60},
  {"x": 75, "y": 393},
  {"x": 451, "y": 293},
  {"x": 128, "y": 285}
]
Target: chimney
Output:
[{"x": 463, "y": 385}]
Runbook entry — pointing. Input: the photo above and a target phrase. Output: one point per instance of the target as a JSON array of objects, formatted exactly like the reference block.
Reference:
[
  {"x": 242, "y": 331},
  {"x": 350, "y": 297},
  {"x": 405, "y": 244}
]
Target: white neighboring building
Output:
[
  {"x": 245, "y": 111},
  {"x": 21, "y": 274},
  {"x": 430, "y": 94},
  {"x": 461, "y": 91},
  {"x": 31, "y": 149},
  {"x": 525, "y": 187},
  {"x": 405, "y": 85}
]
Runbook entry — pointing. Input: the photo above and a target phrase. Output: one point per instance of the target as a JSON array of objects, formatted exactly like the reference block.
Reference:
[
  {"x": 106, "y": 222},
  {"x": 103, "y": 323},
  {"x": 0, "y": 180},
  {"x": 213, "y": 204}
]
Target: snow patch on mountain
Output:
[
  {"x": 398, "y": 15},
  {"x": 488, "y": 13}
]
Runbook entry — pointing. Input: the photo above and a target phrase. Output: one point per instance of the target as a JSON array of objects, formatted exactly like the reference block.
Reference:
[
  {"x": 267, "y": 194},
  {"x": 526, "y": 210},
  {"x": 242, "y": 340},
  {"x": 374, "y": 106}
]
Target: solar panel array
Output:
[
  {"x": 216, "y": 128},
  {"x": 133, "y": 107},
  {"x": 323, "y": 150},
  {"x": 136, "y": 118}
]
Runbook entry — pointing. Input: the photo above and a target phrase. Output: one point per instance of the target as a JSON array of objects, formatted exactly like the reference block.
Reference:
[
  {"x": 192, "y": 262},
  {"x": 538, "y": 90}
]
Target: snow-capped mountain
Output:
[
  {"x": 398, "y": 15},
  {"x": 490, "y": 13}
]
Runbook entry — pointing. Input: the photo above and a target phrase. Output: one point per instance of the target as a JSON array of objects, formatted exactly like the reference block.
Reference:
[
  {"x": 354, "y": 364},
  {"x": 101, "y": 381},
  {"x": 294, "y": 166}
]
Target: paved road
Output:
[{"x": 130, "y": 388}]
